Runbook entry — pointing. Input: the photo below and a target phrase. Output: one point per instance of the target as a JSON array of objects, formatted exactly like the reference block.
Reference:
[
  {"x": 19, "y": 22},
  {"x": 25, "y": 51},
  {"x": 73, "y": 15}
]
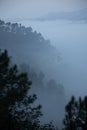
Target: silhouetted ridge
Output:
[{"x": 29, "y": 45}]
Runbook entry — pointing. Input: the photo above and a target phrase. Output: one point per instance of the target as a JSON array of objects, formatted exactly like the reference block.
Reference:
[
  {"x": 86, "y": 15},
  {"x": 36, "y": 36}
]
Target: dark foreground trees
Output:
[
  {"x": 17, "y": 111},
  {"x": 76, "y": 114},
  {"x": 17, "y": 108}
]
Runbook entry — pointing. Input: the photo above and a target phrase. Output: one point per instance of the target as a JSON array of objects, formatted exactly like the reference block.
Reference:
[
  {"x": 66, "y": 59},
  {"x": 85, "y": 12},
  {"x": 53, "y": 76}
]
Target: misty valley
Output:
[{"x": 39, "y": 77}]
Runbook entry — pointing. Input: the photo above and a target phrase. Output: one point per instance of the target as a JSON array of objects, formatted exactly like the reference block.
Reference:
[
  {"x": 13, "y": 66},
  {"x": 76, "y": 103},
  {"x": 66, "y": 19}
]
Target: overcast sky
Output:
[{"x": 37, "y": 8}]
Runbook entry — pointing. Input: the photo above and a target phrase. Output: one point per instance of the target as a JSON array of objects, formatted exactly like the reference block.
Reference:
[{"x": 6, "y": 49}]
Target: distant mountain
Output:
[{"x": 80, "y": 15}]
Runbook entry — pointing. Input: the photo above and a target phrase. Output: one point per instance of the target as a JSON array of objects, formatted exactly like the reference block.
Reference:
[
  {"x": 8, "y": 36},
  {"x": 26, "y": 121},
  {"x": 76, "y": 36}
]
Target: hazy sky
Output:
[{"x": 35, "y": 8}]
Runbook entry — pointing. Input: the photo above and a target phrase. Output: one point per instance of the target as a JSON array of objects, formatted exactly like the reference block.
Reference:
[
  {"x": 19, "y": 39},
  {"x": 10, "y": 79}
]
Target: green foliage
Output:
[{"x": 76, "y": 114}]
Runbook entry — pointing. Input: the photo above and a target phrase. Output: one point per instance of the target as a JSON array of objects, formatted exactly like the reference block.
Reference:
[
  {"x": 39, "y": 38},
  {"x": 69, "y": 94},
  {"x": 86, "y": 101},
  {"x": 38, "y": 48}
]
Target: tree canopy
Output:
[
  {"x": 16, "y": 105},
  {"x": 76, "y": 114},
  {"x": 17, "y": 108}
]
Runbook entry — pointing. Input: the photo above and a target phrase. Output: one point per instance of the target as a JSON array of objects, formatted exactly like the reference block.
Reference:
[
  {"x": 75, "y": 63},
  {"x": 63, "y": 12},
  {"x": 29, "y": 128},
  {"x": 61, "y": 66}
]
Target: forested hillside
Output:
[{"x": 36, "y": 56}]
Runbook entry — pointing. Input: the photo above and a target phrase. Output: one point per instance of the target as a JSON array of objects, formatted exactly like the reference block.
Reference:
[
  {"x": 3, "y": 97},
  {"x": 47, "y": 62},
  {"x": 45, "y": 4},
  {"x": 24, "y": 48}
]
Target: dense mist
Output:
[
  {"x": 69, "y": 37},
  {"x": 56, "y": 67},
  {"x": 43, "y": 64},
  {"x": 41, "y": 60}
]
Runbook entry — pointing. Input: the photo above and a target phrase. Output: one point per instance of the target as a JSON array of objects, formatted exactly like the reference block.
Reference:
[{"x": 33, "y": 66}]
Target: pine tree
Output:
[
  {"x": 17, "y": 111},
  {"x": 76, "y": 114}
]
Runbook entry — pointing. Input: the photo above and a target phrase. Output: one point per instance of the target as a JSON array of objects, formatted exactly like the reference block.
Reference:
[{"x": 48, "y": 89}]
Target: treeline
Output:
[
  {"x": 29, "y": 47},
  {"x": 21, "y": 35}
]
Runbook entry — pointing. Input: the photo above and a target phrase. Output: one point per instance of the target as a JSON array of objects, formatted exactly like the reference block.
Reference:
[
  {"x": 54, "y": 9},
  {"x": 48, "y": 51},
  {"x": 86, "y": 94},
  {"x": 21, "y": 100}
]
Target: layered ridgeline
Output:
[
  {"x": 40, "y": 59},
  {"x": 74, "y": 16}
]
